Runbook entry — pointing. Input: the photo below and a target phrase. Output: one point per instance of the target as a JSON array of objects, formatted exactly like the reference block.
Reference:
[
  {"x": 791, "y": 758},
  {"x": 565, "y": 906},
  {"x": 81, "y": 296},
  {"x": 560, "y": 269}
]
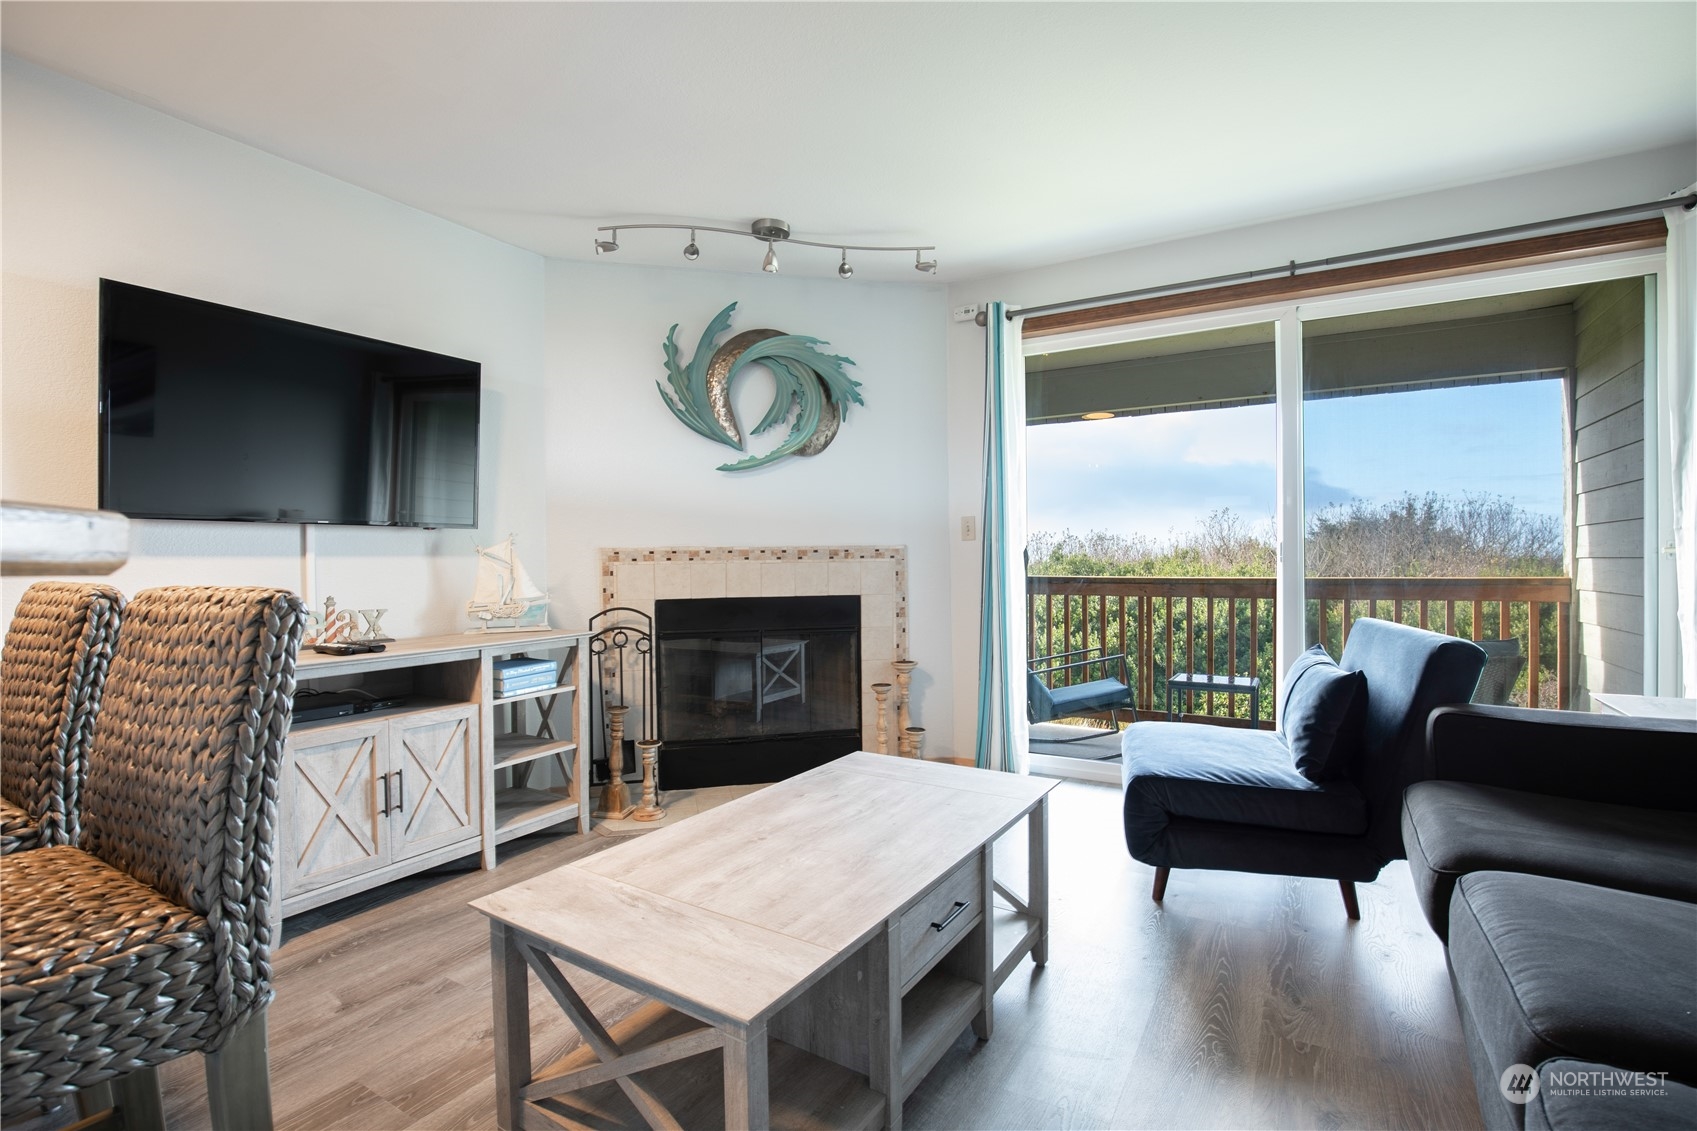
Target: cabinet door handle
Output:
[
  {"x": 385, "y": 780},
  {"x": 400, "y": 794},
  {"x": 953, "y": 915}
]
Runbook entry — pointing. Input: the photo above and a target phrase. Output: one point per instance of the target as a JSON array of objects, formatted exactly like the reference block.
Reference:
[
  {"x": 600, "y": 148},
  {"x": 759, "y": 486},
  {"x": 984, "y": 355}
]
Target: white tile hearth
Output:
[{"x": 635, "y": 578}]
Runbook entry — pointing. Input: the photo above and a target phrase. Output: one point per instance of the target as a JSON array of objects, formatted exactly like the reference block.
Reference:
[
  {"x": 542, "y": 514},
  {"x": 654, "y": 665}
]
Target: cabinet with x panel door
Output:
[
  {"x": 384, "y": 791},
  {"x": 433, "y": 749}
]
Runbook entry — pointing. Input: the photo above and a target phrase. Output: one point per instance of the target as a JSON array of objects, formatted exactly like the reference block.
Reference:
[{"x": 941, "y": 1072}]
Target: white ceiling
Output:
[{"x": 1010, "y": 135}]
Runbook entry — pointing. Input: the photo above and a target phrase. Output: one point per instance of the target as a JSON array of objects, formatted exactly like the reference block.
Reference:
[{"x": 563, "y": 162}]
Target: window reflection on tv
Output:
[{"x": 210, "y": 412}]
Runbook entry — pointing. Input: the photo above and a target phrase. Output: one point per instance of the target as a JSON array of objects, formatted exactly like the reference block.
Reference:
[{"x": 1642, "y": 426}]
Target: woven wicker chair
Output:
[
  {"x": 154, "y": 939},
  {"x": 58, "y": 647}
]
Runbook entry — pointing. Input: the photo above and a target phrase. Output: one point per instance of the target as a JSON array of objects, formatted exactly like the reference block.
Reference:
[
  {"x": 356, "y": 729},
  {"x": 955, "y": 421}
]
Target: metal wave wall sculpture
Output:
[{"x": 811, "y": 385}]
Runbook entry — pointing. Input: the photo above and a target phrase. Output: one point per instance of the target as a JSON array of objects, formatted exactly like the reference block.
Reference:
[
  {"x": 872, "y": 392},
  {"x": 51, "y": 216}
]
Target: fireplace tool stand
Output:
[{"x": 621, "y": 669}]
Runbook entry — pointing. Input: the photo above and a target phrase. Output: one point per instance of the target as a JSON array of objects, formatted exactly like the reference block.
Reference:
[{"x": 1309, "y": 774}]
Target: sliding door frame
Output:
[{"x": 1287, "y": 319}]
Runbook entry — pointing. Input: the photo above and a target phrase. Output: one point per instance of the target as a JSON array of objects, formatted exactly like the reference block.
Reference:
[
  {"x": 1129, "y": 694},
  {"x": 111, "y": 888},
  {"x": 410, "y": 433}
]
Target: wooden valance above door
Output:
[{"x": 1630, "y": 236}]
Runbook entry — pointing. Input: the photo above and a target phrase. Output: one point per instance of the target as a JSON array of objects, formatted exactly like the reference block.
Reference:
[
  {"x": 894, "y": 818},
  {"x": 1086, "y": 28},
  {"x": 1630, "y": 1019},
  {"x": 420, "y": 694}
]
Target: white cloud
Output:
[{"x": 1154, "y": 475}]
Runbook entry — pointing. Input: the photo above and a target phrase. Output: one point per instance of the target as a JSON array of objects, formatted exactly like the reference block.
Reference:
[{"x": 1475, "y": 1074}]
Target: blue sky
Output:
[{"x": 1158, "y": 475}]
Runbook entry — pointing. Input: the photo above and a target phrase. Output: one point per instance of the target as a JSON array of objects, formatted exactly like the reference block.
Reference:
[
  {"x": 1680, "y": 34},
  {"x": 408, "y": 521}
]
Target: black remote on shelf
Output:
[{"x": 350, "y": 649}]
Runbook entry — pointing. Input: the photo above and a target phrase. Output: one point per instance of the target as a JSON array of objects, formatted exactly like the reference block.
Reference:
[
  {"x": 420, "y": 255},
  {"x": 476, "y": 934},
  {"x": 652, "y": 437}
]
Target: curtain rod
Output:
[{"x": 1294, "y": 268}]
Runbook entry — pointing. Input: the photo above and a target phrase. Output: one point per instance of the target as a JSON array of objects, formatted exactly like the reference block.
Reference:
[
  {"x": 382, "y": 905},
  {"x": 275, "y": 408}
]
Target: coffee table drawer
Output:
[{"x": 941, "y": 916}]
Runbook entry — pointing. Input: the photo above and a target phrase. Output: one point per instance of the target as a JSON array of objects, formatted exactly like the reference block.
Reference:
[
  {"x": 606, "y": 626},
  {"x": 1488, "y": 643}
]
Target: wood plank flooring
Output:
[{"x": 1247, "y": 1001}]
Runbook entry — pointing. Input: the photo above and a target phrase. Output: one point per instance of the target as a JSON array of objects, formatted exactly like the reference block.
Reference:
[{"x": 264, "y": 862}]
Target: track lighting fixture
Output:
[{"x": 770, "y": 232}]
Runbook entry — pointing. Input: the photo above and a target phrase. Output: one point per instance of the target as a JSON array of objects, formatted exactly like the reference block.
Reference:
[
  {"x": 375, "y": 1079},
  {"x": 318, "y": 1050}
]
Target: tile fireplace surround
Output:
[{"x": 635, "y": 578}]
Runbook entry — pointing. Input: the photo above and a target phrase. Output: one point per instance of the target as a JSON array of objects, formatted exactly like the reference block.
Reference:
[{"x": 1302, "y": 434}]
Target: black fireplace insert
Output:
[{"x": 755, "y": 689}]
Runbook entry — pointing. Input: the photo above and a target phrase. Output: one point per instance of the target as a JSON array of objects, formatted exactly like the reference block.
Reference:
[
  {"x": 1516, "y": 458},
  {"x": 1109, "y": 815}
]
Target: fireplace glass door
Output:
[{"x": 756, "y": 688}]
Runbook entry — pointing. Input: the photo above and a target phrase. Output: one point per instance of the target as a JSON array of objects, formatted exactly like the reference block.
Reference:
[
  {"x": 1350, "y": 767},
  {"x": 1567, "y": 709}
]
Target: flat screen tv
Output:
[{"x": 210, "y": 412}]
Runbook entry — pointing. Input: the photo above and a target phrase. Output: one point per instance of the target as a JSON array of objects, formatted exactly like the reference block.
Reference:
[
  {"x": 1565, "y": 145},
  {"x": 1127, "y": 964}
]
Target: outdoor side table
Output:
[{"x": 1192, "y": 682}]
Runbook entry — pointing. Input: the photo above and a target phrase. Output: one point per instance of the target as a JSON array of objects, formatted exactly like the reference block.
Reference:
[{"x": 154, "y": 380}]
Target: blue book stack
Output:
[{"x": 521, "y": 673}]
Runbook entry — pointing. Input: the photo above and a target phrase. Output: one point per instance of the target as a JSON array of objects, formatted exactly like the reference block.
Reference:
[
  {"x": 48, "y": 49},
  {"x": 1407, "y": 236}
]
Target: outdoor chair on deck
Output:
[
  {"x": 58, "y": 647},
  {"x": 1320, "y": 797},
  {"x": 1045, "y": 703},
  {"x": 154, "y": 939},
  {"x": 1503, "y": 665}
]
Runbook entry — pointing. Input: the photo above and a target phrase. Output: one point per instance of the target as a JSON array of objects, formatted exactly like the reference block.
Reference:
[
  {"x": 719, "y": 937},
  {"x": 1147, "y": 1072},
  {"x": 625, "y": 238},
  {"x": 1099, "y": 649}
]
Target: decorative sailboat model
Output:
[{"x": 505, "y": 599}]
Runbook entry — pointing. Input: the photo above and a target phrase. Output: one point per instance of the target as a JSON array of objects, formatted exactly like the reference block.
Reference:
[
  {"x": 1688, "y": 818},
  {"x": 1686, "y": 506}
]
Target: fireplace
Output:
[
  {"x": 755, "y": 689},
  {"x": 638, "y": 577}
]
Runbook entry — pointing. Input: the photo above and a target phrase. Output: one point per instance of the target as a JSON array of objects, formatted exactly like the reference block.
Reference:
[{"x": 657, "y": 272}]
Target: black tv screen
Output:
[{"x": 210, "y": 412}]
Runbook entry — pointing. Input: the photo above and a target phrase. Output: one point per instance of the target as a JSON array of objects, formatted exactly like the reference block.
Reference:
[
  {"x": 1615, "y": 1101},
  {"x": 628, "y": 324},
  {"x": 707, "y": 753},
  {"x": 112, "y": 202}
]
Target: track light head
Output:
[
  {"x": 691, "y": 252},
  {"x": 844, "y": 271},
  {"x": 608, "y": 245},
  {"x": 929, "y": 266},
  {"x": 770, "y": 263}
]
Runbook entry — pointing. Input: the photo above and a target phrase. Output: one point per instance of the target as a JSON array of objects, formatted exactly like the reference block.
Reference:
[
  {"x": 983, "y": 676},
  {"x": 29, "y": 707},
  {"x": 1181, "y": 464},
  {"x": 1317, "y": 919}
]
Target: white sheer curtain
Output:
[
  {"x": 1681, "y": 402},
  {"x": 1003, "y": 732}
]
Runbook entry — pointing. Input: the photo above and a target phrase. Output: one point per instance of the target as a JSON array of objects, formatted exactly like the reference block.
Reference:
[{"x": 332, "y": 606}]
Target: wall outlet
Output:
[
  {"x": 968, "y": 527},
  {"x": 966, "y": 313}
]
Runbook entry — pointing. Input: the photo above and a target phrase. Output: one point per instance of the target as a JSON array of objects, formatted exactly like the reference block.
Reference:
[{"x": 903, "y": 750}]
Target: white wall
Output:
[
  {"x": 94, "y": 185},
  {"x": 623, "y": 472},
  {"x": 1597, "y": 185}
]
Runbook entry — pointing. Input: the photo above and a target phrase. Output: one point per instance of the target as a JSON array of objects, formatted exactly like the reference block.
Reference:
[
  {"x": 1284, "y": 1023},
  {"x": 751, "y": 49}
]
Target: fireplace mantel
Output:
[{"x": 635, "y": 578}]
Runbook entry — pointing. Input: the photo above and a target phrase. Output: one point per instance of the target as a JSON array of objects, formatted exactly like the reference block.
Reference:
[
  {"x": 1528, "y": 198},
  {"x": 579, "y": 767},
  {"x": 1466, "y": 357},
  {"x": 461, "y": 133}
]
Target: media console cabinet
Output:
[{"x": 452, "y": 772}]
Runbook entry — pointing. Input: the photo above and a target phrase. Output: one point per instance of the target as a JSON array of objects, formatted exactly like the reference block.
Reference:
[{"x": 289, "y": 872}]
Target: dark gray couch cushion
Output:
[
  {"x": 1567, "y": 1101},
  {"x": 1220, "y": 774},
  {"x": 1321, "y": 719},
  {"x": 1547, "y": 968},
  {"x": 1452, "y": 828}
]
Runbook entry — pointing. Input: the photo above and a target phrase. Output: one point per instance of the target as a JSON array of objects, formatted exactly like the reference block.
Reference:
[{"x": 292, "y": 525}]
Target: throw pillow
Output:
[{"x": 1322, "y": 717}]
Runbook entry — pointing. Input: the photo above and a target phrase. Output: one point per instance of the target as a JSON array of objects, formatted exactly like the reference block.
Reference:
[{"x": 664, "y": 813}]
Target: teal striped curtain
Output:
[{"x": 1003, "y": 732}]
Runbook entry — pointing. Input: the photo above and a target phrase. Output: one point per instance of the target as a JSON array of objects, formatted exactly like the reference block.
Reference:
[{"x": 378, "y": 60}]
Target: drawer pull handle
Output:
[
  {"x": 385, "y": 781},
  {"x": 400, "y": 794},
  {"x": 952, "y": 915}
]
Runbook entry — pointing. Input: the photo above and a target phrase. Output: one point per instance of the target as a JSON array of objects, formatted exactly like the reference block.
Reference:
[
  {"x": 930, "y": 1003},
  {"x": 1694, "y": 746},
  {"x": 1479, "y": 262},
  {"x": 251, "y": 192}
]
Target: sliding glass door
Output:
[
  {"x": 1150, "y": 501},
  {"x": 1209, "y": 495},
  {"x": 1435, "y": 478}
]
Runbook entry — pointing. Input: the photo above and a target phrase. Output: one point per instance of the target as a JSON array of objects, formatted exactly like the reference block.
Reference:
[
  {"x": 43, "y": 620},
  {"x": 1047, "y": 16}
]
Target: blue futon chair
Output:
[{"x": 1321, "y": 796}]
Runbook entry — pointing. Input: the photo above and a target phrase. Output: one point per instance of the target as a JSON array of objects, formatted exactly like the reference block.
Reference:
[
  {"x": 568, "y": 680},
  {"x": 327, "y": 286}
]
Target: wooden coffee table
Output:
[{"x": 809, "y": 951}]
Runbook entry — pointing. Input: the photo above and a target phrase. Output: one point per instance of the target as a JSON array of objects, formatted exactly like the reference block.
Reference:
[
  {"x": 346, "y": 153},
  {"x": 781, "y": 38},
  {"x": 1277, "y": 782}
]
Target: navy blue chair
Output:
[{"x": 1200, "y": 796}]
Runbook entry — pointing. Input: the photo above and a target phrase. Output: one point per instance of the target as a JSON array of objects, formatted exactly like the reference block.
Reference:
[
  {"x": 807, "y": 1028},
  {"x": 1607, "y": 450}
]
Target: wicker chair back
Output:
[
  {"x": 58, "y": 649},
  {"x": 182, "y": 791},
  {"x": 153, "y": 937}
]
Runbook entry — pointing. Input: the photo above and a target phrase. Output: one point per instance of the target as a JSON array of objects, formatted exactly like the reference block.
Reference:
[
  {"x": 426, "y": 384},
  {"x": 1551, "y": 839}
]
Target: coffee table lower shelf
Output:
[
  {"x": 808, "y": 1093},
  {"x": 1016, "y": 934}
]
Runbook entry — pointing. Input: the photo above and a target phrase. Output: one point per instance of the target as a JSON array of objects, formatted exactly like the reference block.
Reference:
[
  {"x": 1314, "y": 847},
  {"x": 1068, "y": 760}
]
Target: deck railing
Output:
[{"x": 1224, "y": 625}]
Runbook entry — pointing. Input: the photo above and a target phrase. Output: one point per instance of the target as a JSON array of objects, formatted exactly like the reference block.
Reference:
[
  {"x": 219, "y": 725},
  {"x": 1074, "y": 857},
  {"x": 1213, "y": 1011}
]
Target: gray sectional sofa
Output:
[{"x": 1556, "y": 855}]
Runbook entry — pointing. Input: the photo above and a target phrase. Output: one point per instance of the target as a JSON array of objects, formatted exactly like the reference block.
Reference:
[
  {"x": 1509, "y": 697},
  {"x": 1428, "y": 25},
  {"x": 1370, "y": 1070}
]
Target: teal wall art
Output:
[{"x": 811, "y": 384}]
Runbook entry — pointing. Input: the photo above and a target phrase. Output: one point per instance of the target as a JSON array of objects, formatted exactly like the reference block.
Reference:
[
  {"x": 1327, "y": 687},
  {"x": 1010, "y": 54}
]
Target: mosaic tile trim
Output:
[{"x": 897, "y": 554}]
